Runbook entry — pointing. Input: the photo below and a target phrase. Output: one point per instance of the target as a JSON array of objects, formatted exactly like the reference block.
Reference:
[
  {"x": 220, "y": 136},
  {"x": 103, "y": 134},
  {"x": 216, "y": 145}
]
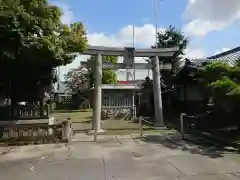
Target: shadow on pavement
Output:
[{"x": 192, "y": 145}]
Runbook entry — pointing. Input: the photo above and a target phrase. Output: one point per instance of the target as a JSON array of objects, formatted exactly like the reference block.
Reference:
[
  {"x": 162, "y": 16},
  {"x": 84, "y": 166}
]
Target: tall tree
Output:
[
  {"x": 172, "y": 37},
  {"x": 35, "y": 42}
]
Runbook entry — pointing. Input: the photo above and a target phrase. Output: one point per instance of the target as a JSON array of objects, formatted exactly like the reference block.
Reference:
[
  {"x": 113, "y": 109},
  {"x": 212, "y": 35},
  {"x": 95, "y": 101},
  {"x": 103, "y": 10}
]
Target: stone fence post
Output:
[{"x": 66, "y": 130}]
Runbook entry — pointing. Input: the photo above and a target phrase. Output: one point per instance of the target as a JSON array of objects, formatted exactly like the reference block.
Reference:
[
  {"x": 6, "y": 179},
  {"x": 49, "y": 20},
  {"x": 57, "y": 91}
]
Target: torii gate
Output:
[{"x": 129, "y": 54}]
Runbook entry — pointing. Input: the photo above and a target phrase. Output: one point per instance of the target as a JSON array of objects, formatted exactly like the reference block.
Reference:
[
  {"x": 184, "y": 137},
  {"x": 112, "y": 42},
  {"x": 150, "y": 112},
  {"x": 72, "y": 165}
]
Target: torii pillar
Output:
[
  {"x": 97, "y": 94},
  {"x": 159, "y": 123}
]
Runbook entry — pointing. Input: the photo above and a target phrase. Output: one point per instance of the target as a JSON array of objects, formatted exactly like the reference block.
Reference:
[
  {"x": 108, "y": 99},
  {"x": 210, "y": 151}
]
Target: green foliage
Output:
[
  {"x": 35, "y": 42},
  {"x": 215, "y": 71},
  {"x": 222, "y": 83},
  {"x": 172, "y": 37},
  {"x": 108, "y": 76},
  {"x": 80, "y": 77},
  {"x": 223, "y": 86},
  {"x": 235, "y": 74}
]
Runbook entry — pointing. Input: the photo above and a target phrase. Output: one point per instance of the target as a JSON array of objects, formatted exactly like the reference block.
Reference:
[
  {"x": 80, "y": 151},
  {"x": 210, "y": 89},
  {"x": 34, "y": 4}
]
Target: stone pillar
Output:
[
  {"x": 97, "y": 94},
  {"x": 66, "y": 130},
  {"x": 51, "y": 121},
  {"x": 157, "y": 92}
]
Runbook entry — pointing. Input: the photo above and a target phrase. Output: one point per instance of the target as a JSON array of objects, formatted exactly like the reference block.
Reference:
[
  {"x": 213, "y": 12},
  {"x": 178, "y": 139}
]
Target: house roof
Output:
[
  {"x": 231, "y": 56},
  {"x": 188, "y": 71}
]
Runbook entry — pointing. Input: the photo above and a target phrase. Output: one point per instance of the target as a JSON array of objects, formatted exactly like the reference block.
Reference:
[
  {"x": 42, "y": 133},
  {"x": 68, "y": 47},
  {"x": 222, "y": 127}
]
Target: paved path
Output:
[{"x": 119, "y": 158}]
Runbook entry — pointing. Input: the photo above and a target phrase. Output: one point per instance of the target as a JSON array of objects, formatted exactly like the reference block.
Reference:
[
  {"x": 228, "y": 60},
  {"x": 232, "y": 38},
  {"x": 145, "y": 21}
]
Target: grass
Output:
[
  {"x": 121, "y": 127},
  {"x": 77, "y": 116},
  {"x": 82, "y": 122},
  {"x": 81, "y": 119}
]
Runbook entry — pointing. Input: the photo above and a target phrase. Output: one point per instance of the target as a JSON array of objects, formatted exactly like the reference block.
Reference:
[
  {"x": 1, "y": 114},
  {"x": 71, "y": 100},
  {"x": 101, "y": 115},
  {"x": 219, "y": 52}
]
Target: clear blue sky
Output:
[{"x": 211, "y": 25}]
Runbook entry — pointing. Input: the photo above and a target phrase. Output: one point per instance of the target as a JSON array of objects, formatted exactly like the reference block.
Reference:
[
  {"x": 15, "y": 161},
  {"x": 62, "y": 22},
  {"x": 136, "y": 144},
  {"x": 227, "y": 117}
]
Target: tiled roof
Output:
[{"x": 231, "y": 56}]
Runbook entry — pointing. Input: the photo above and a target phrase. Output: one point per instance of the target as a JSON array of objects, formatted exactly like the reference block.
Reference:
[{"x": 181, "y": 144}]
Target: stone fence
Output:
[{"x": 41, "y": 131}]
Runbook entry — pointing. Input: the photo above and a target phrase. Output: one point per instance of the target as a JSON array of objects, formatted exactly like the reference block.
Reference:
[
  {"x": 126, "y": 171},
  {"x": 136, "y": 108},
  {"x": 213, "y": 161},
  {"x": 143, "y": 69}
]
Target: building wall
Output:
[
  {"x": 117, "y": 98},
  {"x": 194, "y": 93}
]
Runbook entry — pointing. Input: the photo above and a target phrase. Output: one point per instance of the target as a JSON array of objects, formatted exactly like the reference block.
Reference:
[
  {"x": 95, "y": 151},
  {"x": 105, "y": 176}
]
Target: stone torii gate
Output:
[{"x": 129, "y": 54}]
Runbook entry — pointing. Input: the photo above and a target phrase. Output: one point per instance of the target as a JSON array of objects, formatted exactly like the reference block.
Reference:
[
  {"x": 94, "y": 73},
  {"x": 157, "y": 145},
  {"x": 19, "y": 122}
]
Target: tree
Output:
[
  {"x": 108, "y": 76},
  {"x": 77, "y": 78},
  {"x": 172, "y": 37},
  {"x": 84, "y": 75},
  {"x": 222, "y": 83},
  {"x": 35, "y": 42}
]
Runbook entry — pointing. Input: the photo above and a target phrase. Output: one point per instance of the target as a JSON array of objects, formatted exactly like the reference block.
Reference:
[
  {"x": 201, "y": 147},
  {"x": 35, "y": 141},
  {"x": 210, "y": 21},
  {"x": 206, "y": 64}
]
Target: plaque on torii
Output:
[{"x": 129, "y": 56}]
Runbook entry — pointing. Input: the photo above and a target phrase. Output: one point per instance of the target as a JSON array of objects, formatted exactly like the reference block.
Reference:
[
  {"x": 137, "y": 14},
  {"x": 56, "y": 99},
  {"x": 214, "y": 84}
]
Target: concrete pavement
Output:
[{"x": 121, "y": 158}]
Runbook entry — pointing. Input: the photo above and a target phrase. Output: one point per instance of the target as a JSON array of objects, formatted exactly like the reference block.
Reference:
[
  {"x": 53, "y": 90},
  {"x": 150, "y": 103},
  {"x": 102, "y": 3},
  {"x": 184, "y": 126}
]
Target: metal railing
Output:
[{"x": 192, "y": 124}]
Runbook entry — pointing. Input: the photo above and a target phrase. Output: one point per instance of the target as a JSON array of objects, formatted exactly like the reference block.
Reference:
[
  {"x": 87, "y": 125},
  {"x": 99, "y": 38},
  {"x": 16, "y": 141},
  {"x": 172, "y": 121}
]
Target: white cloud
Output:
[
  {"x": 194, "y": 53},
  {"x": 68, "y": 15},
  {"x": 143, "y": 36},
  {"x": 221, "y": 51},
  {"x": 210, "y": 15}
]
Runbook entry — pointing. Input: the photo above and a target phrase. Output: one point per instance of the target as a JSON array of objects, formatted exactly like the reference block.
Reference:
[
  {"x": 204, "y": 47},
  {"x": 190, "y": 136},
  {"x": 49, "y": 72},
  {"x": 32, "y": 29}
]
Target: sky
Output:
[{"x": 212, "y": 26}]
